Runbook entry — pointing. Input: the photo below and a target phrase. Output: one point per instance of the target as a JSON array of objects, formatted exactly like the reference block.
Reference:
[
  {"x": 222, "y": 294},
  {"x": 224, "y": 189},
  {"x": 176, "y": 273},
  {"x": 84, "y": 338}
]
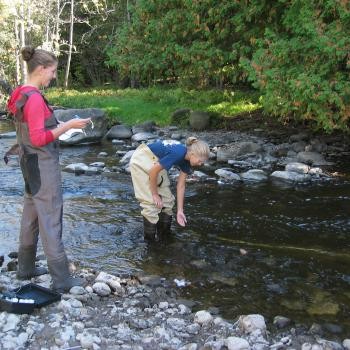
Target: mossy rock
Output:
[
  {"x": 323, "y": 308},
  {"x": 199, "y": 120},
  {"x": 180, "y": 117}
]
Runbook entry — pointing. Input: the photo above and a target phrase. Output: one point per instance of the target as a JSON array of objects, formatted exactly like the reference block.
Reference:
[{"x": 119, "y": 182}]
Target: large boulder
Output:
[
  {"x": 90, "y": 135},
  {"x": 199, "y": 120},
  {"x": 235, "y": 150}
]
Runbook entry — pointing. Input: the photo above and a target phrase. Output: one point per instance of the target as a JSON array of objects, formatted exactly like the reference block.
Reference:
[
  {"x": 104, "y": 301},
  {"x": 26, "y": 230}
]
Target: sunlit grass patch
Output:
[{"x": 133, "y": 106}]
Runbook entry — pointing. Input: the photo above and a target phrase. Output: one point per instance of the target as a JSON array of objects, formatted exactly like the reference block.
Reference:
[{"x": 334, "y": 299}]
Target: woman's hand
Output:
[
  {"x": 78, "y": 123},
  {"x": 157, "y": 200},
  {"x": 181, "y": 218}
]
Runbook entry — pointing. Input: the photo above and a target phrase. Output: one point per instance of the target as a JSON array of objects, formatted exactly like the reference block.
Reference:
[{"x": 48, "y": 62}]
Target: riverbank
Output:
[{"x": 139, "y": 313}]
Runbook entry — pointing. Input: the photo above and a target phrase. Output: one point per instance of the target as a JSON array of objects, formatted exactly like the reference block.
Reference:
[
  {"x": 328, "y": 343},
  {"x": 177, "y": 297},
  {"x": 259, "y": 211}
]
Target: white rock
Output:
[
  {"x": 75, "y": 303},
  {"x": 101, "y": 289},
  {"x": 183, "y": 309},
  {"x": 254, "y": 175},
  {"x": 346, "y": 344},
  {"x": 77, "y": 290},
  {"x": 250, "y": 323},
  {"x": 76, "y": 167},
  {"x": 203, "y": 317},
  {"x": 22, "y": 339},
  {"x": 227, "y": 175},
  {"x": 126, "y": 157},
  {"x": 163, "y": 305},
  {"x": 64, "y": 305},
  {"x": 296, "y": 167},
  {"x": 89, "y": 289},
  {"x": 11, "y": 322},
  {"x": 235, "y": 343},
  {"x": 290, "y": 176},
  {"x": 86, "y": 340}
]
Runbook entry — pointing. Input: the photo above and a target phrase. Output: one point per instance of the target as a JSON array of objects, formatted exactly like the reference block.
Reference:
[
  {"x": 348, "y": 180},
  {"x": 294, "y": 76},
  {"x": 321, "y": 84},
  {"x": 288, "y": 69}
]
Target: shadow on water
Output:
[{"x": 271, "y": 249}]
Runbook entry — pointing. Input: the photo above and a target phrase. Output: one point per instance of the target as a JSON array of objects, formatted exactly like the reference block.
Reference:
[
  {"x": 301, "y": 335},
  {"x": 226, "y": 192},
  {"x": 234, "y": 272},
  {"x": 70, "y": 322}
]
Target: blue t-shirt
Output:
[{"x": 171, "y": 153}]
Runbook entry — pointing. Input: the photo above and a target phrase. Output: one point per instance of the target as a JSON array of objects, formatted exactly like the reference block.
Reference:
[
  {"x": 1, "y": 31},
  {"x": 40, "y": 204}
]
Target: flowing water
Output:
[{"x": 269, "y": 248}]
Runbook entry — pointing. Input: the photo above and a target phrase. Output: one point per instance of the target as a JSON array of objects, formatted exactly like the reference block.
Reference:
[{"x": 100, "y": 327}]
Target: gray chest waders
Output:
[{"x": 43, "y": 204}]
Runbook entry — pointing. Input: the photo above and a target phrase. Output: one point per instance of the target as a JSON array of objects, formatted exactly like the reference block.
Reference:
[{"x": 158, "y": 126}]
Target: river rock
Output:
[
  {"x": 143, "y": 136},
  {"x": 203, "y": 317},
  {"x": 298, "y": 168},
  {"x": 8, "y": 135},
  {"x": 302, "y": 136},
  {"x": 290, "y": 176},
  {"x": 199, "y": 120},
  {"x": 254, "y": 175},
  {"x": 76, "y": 168},
  {"x": 227, "y": 175},
  {"x": 235, "y": 343},
  {"x": 126, "y": 157},
  {"x": 8, "y": 322},
  {"x": 92, "y": 135},
  {"x": 346, "y": 344},
  {"x": 312, "y": 158},
  {"x": 250, "y": 323},
  {"x": 298, "y": 146},
  {"x": 119, "y": 132},
  {"x": 101, "y": 289},
  {"x": 281, "y": 321},
  {"x": 147, "y": 127},
  {"x": 237, "y": 149}
]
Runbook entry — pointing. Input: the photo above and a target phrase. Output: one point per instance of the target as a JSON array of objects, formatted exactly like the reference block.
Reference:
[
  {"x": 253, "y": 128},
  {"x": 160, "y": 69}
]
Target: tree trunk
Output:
[
  {"x": 56, "y": 38},
  {"x": 17, "y": 53},
  {"x": 22, "y": 41},
  {"x": 70, "y": 43}
]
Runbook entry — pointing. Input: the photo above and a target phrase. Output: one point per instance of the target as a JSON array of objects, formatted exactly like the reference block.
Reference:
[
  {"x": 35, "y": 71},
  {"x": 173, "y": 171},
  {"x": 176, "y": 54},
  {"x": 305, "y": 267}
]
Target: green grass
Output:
[{"x": 134, "y": 106}]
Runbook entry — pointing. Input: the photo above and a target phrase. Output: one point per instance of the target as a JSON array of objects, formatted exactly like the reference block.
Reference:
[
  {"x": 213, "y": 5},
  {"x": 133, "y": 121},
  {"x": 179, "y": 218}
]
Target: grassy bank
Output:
[{"x": 133, "y": 106}]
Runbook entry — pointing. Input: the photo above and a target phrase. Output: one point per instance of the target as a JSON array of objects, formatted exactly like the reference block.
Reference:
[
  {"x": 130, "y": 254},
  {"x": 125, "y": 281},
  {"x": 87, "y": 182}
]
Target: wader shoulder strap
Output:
[
  {"x": 22, "y": 101},
  {"x": 15, "y": 149}
]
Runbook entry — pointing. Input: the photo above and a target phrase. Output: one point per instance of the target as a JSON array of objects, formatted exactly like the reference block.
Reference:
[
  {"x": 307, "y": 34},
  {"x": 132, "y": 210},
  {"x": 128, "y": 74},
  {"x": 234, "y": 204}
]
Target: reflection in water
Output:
[{"x": 296, "y": 239}]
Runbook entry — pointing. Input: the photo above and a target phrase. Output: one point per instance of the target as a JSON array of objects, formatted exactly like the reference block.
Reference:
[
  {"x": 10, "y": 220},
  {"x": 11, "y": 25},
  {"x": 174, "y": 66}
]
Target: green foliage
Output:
[
  {"x": 303, "y": 72},
  {"x": 178, "y": 40},
  {"x": 134, "y": 106}
]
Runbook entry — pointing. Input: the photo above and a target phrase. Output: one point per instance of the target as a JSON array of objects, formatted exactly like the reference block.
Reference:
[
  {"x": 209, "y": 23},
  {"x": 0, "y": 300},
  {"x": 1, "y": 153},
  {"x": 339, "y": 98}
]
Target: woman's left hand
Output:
[{"x": 181, "y": 219}]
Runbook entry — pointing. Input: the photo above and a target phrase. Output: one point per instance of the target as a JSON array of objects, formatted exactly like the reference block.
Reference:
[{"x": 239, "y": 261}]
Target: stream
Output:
[{"x": 260, "y": 248}]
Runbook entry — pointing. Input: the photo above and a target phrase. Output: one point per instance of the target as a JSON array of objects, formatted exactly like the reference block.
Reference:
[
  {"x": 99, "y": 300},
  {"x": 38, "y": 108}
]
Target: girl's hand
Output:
[
  {"x": 181, "y": 219},
  {"x": 157, "y": 200}
]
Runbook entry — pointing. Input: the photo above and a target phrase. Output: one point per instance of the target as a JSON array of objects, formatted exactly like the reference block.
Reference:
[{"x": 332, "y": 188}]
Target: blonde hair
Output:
[
  {"x": 37, "y": 57},
  {"x": 197, "y": 147}
]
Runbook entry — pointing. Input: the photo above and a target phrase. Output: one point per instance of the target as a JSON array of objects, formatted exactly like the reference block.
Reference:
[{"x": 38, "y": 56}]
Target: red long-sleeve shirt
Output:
[{"x": 35, "y": 112}]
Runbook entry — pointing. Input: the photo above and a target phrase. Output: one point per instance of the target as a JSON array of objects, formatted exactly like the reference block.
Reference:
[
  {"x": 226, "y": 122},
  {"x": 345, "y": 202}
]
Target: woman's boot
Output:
[
  {"x": 62, "y": 281},
  {"x": 26, "y": 263}
]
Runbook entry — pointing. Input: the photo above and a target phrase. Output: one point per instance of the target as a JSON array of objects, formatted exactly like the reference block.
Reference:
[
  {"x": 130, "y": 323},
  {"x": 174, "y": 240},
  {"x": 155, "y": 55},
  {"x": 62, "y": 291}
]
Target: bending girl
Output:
[{"x": 149, "y": 165}]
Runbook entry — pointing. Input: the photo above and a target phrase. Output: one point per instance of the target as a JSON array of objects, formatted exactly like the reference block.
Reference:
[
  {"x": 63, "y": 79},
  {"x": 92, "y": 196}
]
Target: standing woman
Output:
[
  {"x": 149, "y": 165},
  {"x": 37, "y": 133}
]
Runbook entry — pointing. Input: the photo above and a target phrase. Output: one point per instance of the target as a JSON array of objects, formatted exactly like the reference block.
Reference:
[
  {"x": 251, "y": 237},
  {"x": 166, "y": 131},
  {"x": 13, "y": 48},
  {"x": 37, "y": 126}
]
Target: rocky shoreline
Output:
[{"x": 139, "y": 313}]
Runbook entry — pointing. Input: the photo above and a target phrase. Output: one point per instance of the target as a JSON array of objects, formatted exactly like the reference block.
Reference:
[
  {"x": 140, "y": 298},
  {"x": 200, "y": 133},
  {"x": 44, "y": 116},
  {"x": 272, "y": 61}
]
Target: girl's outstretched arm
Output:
[
  {"x": 180, "y": 194},
  {"x": 153, "y": 176}
]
